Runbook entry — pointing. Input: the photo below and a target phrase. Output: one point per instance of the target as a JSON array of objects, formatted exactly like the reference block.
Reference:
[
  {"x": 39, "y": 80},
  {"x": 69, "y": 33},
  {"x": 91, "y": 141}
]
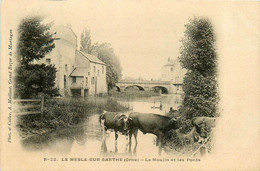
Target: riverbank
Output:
[
  {"x": 65, "y": 113},
  {"x": 132, "y": 94}
]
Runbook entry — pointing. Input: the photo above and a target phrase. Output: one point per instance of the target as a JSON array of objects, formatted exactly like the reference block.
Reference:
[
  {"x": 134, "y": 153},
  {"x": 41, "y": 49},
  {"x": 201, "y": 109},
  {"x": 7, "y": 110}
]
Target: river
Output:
[{"x": 89, "y": 139}]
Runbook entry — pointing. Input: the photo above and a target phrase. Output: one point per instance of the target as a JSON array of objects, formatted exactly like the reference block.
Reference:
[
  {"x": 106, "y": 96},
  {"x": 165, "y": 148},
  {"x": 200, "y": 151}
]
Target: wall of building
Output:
[
  {"x": 97, "y": 79},
  {"x": 172, "y": 71},
  {"x": 67, "y": 47},
  {"x": 96, "y": 76},
  {"x": 63, "y": 57}
]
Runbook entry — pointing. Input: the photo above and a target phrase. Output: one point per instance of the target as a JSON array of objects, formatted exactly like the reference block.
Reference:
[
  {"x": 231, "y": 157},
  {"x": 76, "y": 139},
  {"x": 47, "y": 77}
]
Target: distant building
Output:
[
  {"x": 77, "y": 73},
  {"x": 173, "y": 71}
]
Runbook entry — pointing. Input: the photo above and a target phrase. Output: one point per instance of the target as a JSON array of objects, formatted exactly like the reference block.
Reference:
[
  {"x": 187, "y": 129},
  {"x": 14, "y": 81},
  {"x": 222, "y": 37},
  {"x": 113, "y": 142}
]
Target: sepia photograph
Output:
[{"x": 130, "y": 85}]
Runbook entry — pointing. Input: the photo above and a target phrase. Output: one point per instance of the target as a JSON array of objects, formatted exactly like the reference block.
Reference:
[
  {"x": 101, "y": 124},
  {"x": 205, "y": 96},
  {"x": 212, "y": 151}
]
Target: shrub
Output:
[
  {"x": 198, "y": 56},
  {"x": 64, "y": 113}
]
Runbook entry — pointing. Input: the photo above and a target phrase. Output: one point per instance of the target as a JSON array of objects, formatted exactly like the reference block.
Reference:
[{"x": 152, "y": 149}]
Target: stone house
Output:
[
  {"x": 89, "y": 75},
  {"x": 77, "y": 73}
]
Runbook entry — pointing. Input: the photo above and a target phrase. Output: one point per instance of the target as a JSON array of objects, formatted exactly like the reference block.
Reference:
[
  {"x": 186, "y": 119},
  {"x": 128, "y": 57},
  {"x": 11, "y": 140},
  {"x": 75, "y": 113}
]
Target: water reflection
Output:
[
  {"x": 90, "y": 139},
  {"x": 62, "y": 140},
  {"x": 104, "y": 150},
  {"x": 152, "y": 104},
  {"x": 58, "y": 141}
]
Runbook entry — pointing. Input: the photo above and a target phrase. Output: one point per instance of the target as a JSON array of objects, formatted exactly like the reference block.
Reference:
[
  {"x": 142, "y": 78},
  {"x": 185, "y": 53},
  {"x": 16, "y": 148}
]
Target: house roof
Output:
[
  {"x": 79, "y": 71},
  {"x": 66, "y": 33},
  {"x": 91, "y": 58}
]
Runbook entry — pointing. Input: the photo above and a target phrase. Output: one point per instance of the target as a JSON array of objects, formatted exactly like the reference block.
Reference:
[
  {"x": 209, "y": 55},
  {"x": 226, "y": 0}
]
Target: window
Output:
[
  {"x": 66, "y": 67},
  {"x": 94, "y": 69},
  {"x": 86, "y": 81},
  {"x": 74, "y": 79},
  {"x": 171, "y": 68},
  {"x": 65, "y": 81},
  {"x": 92, "y": 80},
  {"x": 102, "y": 69},
  {"x": 98, "y": 72},
  {"x": 48, "y": 60},
  {"x": 88, "y": 73}
]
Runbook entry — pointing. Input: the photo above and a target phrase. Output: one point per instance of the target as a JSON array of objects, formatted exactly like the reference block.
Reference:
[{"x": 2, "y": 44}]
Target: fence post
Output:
[{"x": 42, "y": 106}]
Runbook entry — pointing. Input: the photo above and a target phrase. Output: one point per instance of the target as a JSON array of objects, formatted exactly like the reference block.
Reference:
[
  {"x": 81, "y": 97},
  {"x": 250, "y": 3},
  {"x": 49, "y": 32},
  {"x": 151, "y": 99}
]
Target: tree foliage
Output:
[
  {"x": 35, "y": 41},
  {"x": 198, "y": 56},
  {"x": 34, "y": 80},
  {"x": 85, "y": 41}
]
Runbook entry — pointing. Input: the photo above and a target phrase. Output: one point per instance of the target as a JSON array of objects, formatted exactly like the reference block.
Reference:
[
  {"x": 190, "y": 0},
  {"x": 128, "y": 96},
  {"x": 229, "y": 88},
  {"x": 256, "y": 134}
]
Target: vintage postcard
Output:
[{"x": 130, "y": 85}]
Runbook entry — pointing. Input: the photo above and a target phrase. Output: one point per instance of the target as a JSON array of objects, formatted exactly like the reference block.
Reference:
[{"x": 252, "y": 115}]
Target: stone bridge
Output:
[{"x": 164, "y": 87}]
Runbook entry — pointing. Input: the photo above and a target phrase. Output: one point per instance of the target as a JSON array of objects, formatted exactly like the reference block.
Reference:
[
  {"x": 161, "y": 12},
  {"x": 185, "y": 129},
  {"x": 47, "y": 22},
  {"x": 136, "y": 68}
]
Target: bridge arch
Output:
[
  {"x": 133, "y": 86},
  {"x": 117, "y": 88},
  {"x": 160, "y": 89}
]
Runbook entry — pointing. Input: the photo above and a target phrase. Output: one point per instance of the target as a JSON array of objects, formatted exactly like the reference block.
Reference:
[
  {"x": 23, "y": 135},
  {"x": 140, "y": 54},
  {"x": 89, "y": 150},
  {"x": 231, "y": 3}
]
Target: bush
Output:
[{"x": 198, "y": 56}]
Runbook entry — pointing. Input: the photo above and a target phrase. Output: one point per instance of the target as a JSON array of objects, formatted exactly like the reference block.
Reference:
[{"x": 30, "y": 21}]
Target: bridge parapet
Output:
[
  {"x": 144, "y": 82},
  {"x": 164, "y": 86}
]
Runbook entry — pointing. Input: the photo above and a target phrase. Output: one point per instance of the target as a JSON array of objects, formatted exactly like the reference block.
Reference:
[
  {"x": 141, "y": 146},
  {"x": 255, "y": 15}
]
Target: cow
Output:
[
  {"x": 203, "y": 122},
  {"x": 114, "y": 121},
  {"x": 204, "y": 126},
  {"x": 210, "y": 121},
  {"x": 190, "y": 137},
  {"x": 150, "y": 123}
]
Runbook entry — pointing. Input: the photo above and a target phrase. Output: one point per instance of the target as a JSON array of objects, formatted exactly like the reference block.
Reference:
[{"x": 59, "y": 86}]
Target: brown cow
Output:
[{"x": 150, "y": 123}]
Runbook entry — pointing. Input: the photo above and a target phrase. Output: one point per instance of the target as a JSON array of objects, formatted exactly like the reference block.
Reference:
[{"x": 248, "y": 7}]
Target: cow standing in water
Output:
[
  {"x": 117, "y": 122},
  {"x": 150, "y": 123}
]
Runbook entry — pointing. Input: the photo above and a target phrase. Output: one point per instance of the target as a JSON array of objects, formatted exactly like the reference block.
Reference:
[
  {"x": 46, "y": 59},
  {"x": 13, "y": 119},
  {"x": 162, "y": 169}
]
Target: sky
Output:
[{"x": 143, "y": 35}]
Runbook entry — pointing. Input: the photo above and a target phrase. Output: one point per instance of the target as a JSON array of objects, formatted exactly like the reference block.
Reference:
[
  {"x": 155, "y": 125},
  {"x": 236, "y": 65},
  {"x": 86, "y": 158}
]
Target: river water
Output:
[{"x": 89, "y": 138}]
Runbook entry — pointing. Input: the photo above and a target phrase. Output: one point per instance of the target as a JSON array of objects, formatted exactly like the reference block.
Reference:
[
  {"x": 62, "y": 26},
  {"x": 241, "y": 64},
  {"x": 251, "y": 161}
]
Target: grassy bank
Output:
[
  {"x": 65, "y": 113},
  {"x": 132, "y": 94}
]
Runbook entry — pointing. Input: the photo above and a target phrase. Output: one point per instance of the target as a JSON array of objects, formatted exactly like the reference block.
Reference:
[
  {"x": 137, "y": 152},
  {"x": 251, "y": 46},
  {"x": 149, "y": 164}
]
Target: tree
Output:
[
  {"x": 85, "y": 41},
  {"x": 35, "y": 41},
  {"x": 35, "y": 80},
  {"x": 198, "y": 56}
]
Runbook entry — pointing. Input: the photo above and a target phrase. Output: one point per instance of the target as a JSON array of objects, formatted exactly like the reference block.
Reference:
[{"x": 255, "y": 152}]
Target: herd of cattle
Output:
[{"x": 155, "y": 124}]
